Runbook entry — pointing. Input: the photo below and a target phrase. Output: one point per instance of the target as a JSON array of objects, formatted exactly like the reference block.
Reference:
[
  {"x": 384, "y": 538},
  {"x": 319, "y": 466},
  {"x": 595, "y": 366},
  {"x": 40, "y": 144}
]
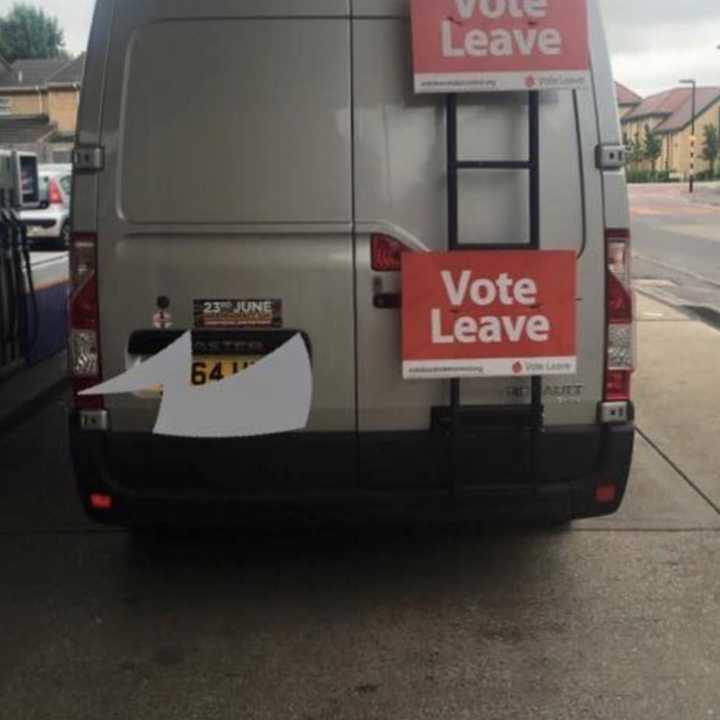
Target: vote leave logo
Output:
[
  {"x": 489, "y": 314},
  {"x": 491, "y": 45}
]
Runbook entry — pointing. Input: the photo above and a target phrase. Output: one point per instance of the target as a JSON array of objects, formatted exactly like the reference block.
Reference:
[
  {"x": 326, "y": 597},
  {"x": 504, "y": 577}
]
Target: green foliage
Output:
[
  {"x": 633, "y": 151},
  {"x": 27, "y": 32},
  {"x": 704, "y": 176},
  {"x": 711, "y": 147},
  {"x": 652, "y": 147},
  {"x": 648, "y": 176}
]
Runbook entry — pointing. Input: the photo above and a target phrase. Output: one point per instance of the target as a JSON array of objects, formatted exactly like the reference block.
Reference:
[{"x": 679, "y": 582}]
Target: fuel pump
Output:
[{"x": 19, "y": 319}]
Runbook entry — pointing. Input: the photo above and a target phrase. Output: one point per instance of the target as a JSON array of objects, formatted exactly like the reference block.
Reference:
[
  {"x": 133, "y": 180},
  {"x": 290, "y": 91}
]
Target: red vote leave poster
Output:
[
  {"x": 500, "y": 45},
  {"x": 489, "y": 314}
]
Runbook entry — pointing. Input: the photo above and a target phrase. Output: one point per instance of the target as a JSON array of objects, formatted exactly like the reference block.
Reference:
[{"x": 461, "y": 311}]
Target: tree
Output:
[
  {"x": 652, "y": 147},
  {"x": 633, "y": 151},
  {"x": 27, "y": 32},
  {"x": 711, "y": 147}
]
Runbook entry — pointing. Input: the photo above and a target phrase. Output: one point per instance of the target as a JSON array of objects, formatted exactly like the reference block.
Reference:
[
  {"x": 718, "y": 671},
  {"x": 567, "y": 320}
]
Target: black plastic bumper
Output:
[{"x": 159, "y": 480}]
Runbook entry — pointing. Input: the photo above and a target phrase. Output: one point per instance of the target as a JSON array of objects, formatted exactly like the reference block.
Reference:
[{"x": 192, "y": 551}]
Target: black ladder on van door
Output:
[{"x": 530, "y": 417}]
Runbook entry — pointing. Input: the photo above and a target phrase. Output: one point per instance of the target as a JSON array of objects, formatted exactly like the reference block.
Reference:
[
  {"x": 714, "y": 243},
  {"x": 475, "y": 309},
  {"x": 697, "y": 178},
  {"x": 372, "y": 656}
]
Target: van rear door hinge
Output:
[
  {"x": 610, "y": 157},
  {"x": 88, "y": 158}
]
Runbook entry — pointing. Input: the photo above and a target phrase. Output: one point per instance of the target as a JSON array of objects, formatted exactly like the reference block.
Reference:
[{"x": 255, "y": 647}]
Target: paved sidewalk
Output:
[
  {"x": 675, "y": 479},
  {"x": 678, "y": 392},
  {"x": 668, "y": 198}
]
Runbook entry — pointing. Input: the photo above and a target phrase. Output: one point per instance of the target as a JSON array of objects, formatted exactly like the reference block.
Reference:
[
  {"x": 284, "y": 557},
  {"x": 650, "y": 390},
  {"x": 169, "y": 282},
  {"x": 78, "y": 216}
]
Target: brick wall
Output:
[
  {"x": 27, "y": 103},
  {"x": 676, "y": 146},
  {"x": 63, "y": 108}
]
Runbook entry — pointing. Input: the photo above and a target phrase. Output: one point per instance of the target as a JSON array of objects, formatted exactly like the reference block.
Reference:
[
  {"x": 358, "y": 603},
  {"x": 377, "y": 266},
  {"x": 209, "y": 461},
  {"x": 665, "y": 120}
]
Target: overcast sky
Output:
[{"x": 654, "y": 42}]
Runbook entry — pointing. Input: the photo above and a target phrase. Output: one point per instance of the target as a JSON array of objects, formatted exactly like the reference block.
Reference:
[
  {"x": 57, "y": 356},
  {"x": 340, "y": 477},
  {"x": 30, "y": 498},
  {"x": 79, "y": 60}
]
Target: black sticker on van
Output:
[{"x": 237, "y": 313}]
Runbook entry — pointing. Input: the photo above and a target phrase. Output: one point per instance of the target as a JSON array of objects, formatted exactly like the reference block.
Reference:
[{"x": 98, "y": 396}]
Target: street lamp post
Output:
[{"x": 692, "y": 133}]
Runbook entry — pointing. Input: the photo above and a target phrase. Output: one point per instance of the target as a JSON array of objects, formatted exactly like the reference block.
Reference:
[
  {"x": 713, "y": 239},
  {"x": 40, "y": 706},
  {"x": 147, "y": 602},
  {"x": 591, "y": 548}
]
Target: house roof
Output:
[
  {"x": 16, "y": 130},
  {"x": 625, "y": 96},
  {"x": 70, "y": 74},
  {"x": 674, "y": 107},
  {"x": 31, "y": 73}
]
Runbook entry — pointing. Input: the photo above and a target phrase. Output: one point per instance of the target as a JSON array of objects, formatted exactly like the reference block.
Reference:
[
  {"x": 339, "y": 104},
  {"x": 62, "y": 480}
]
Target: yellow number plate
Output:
[{"x": 207, "y": 369}]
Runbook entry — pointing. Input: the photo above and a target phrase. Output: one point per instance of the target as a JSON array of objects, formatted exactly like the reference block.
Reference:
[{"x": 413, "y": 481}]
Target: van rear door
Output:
[
  {"x": 227, "y": 137},
  {"x": 401, "y": 191}
]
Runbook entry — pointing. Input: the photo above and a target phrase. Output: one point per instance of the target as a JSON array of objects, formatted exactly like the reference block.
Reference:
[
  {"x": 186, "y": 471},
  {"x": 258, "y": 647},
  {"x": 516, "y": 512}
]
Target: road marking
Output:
[{"x": 654, "y": 282}]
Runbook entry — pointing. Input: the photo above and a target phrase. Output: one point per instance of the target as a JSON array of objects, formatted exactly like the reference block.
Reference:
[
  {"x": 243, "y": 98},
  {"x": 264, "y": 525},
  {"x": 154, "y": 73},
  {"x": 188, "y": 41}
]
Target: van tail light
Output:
[
  {"x": 54, "y": 194},
  {"x": 101, "y": 501},
  {"x": 606, "y": 494},
  {"x": 620, "y": 362},
  {"x": 386, "y": 253},
  {"x": 84, "y": 339}
]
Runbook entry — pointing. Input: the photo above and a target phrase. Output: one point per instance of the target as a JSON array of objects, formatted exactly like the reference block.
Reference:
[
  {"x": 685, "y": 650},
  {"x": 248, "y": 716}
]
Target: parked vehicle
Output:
[
  {"x": 299, "y": 184},
  {"x": 49, "y": 224}
]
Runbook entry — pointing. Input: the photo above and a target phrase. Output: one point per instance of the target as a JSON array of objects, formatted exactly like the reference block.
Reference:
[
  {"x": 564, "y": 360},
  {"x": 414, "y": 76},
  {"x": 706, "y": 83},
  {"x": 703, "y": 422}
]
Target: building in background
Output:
[
  {"x": 669, "y": 115},
  {"x": 39, "y": 102},
  {"x": 627, "y": 99}
]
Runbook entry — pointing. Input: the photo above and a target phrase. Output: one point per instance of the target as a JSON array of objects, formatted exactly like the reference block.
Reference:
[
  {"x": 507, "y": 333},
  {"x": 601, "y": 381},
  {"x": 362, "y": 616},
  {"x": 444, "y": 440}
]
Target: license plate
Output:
[{"x": 207, "y": 369}]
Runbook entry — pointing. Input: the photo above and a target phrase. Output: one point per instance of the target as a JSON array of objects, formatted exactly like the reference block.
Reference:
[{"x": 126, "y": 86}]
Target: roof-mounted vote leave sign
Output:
[
  {"x": 489, "y": 314},
  {"x": 495, "y": 45}
]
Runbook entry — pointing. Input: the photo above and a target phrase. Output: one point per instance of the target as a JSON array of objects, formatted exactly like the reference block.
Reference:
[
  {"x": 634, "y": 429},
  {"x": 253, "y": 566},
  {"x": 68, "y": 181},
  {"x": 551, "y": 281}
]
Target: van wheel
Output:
[{"x": 65, "y": 234}]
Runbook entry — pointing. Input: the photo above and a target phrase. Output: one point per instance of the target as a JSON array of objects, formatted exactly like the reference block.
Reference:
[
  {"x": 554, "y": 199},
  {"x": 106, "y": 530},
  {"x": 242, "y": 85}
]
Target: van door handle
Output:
[{"x": 387, "y": 301}]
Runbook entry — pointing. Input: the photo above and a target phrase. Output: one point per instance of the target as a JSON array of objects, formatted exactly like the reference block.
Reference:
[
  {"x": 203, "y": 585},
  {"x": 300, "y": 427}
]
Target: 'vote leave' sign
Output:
[
  {"x": 492, "y": 45},
  {"x": 488, "y": 314}
]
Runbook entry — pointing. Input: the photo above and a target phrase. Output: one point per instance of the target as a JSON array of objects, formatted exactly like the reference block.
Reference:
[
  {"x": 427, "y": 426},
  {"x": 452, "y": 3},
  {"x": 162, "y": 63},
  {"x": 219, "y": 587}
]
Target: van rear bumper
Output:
[{"x": 160, "y": 480}]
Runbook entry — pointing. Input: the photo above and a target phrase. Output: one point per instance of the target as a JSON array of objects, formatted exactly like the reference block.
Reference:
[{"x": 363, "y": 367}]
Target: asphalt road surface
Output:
[{"x": 676, "y": 244}]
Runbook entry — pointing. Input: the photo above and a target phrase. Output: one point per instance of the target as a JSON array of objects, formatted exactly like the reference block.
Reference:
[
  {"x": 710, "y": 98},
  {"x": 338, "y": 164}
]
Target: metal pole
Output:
[
  {"x": 692, "y": 141},
  {"x": 692, "y": 132}
]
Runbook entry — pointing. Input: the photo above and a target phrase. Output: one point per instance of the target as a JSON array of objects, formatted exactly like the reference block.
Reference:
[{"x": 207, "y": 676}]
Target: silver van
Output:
[{"x": 274, "y": 151}]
